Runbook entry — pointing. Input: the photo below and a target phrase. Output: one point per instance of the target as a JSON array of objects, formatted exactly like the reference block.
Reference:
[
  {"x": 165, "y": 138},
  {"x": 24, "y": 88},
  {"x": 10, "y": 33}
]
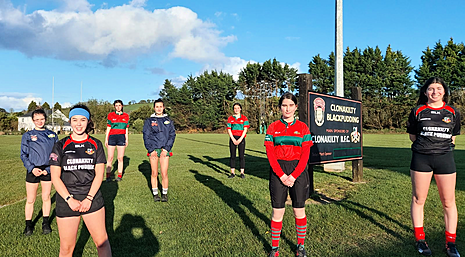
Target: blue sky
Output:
[{"x": 126, "y": 49}]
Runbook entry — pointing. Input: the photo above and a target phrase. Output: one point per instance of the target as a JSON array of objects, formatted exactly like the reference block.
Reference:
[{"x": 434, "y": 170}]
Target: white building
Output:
[{"x": 60, "y": 121}]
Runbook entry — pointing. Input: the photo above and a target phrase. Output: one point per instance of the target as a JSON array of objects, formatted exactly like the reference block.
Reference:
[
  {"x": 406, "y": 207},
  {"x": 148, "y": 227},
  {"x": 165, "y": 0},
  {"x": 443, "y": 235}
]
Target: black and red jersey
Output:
[
  {"x": 434, "y": 128},
  {"x": 77, "y": 160}
]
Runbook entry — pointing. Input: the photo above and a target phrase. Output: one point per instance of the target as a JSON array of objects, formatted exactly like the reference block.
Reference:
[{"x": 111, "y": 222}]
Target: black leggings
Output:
[{"x": 232, "y": 151}]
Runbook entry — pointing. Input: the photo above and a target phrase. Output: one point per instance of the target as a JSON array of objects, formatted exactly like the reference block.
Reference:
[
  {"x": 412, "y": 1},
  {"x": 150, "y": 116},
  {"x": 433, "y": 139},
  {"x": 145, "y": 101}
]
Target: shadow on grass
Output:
[
  {"x": 109, "y": 191},
  {"x": 255, "y": 166},
  {"x": 224, "y": 145},
  {"x": 41, "y": 214},
  {"x": 126, "y": 161},
  {"x": 320, "y": 169},
  {"x": 237, "y": 202},
  {"x": 134, "y": 238},
  {"x": 361, "y": 210},
  {"x": 398, "y": 160},
  {"x": 146, "y": 170}
]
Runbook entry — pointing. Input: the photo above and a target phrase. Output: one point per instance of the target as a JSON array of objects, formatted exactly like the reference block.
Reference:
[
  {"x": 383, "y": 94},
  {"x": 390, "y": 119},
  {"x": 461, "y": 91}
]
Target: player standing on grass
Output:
[
  {"x": 36, "y": 146},
  {"x": 432, "y": 127},
  {"x": 78, "y": 166},
  {"x": 159, "y": 135},
  {"x": 116, "y": 137},
  {"x": 288, "y": 143},
  {"x": 237, "y": 130}
]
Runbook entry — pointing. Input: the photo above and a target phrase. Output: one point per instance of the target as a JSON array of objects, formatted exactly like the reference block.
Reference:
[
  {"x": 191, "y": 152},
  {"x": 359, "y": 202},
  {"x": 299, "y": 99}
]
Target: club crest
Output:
[
  {"x": 34, "y": 137},
  {"x": 90, "y": 151},
  {"x": 355, "y": 136},
  {"x": 319, "y": 111},
  {"x": 54, "y": 157},
  {"x": 446, "y": 120}
]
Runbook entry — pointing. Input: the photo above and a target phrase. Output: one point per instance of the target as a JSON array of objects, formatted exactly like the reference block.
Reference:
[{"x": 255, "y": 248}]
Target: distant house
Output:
[{"x": 60, "y": 121}]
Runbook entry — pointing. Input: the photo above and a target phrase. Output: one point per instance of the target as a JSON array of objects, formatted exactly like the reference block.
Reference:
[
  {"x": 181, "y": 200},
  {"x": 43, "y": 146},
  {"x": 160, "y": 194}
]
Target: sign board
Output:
[{"x": 336, "y": 127}]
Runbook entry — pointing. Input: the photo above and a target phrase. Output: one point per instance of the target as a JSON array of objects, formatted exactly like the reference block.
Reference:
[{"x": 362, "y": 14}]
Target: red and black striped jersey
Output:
[
  {"x": 77, "y": 160},
  {"x": 433, "y": 128}
]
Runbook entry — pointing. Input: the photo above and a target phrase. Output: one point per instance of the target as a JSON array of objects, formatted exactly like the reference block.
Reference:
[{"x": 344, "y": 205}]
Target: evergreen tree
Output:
[
  {"x": 261, "y": 85},
  {"x": 57, "y": 106},
  {"x": 32, "y": 106},
  {"x": 446, "y": 62},
  {"x": 46, "y": 106}
]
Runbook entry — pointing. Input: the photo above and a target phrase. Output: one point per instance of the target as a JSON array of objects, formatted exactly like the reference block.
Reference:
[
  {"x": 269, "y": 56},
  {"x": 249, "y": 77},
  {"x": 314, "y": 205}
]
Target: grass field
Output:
[{"x": 210, "y": 215}]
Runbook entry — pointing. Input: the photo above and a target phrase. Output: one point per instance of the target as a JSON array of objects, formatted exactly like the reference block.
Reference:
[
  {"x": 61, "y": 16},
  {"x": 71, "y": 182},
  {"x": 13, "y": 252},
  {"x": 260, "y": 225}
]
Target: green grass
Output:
[
  {"x": 210, "y": 215},
  {"x": 133, "y": 107}
]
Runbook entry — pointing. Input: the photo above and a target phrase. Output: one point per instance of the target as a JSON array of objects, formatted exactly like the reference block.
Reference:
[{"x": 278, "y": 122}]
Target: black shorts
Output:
[
  {"x": 31, "y": 178},
  {"x": 63, "y": 210},
  {"x": 117, "y": 140},
  {"x": 299, "y": 192},
  {"x": 438, "y": 163}
]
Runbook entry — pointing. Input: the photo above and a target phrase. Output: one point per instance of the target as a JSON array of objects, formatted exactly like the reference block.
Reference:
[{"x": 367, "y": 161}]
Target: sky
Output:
[{"x": 126, "y": 49}]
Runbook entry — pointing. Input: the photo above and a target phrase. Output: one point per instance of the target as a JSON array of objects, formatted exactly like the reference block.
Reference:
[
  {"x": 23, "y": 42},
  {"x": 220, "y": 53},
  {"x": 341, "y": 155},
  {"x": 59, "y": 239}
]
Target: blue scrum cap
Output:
[{"x": 79, "y": 111}]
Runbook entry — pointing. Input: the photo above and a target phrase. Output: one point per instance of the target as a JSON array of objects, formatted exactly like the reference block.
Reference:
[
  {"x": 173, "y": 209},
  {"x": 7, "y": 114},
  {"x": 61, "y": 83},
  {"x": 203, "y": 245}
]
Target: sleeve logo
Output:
[{"x": 54, "y": 157}]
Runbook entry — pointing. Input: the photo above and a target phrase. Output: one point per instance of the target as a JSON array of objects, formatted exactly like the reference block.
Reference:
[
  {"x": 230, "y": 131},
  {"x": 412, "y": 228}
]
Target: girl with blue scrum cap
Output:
[{"x": 78, "y": 166}]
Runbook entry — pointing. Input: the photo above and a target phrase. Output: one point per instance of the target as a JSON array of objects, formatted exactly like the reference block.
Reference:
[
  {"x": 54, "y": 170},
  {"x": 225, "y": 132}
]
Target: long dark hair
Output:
[
  {"x": 119, "y": 101},
  {"x": 90, "y": 123},
  {"x": 287, "y": 95},
  {"x": 423, "y": 99}
]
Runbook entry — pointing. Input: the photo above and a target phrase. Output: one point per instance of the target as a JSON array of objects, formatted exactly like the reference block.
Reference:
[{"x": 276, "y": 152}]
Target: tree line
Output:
[
  {"x": 203, "y": 102},
  {"x": 388, "y": 91}
]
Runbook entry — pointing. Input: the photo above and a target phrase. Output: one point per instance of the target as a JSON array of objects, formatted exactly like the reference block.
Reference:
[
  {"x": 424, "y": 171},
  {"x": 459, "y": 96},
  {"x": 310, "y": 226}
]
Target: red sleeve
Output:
[
  {"x": 305, "y": 153},
  {"x": 303, "y": 159},
  {"x": 127, "y": 115},
  {"x": 248, "y": 124},
  {"x": 108, "y": 120},
  {"x": 273, "y": 160},
  {"x": 229, "y": 122}
]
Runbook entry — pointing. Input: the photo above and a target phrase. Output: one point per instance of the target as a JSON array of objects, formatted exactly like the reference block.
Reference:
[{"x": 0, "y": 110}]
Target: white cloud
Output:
[
  {"x": 231, "y": 65},
  {"x": 138, "y": 3},
  {"x": 66, "y": 105},
  {"x": 110, "y": 35},
  {"x": 17, "y": 101},
  {"x": 178, "y": 81},
  {"x": 296, "y": 66}
]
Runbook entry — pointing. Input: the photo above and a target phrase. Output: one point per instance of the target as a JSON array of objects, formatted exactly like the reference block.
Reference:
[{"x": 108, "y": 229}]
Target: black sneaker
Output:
[
  {"x": 452, "y": 250},
  {"x": 156, "y": 198},
  {"x": 242, "y": 175},
  {"x": 28, "y": 230},
  {"x": 118, "y": 179},
  {"x": 300, "y": 251},
  {"x": 46, "y": 229},
  {"x": 232, "y": 175},
  {"x": 422, "y": 247},
  {"x": 274, "y": 252},
  {"x": 164, "y": 197}
]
